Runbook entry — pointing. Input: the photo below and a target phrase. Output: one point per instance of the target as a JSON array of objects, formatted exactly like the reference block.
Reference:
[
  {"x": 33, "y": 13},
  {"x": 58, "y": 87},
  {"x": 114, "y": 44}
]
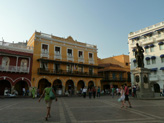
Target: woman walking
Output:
[
  {"x": 47, "y": 99},
  {"x": 122, "y": 97}
]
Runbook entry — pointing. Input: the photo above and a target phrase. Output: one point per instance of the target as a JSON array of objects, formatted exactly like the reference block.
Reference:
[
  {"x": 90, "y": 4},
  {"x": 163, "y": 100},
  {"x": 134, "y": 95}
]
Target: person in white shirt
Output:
[
  {"x": 84, "y": 91},
  {"x": 24, "y": 91}
]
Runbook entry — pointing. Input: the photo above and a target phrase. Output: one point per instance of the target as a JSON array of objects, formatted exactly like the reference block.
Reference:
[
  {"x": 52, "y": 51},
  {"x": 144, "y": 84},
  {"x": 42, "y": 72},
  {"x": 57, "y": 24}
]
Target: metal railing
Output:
[
  {"x": 111, "y": 79},
  {"x": 66, "y": 73},
  {"x": 14, "y": 69}
]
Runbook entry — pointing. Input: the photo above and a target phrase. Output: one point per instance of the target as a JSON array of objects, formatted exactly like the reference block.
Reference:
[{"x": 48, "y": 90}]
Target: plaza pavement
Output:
[{"x": 79, "y": 110}]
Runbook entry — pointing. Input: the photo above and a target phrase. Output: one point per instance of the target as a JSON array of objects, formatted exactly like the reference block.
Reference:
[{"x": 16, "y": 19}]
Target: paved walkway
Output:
[{"x": 80, "y": 110}]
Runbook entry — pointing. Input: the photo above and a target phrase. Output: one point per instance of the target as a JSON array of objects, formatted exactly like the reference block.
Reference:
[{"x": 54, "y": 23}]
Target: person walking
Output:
[
  {"x": 90, "y": 92},
  {"x": 94, "y": 92},
  {"x": 98, "y": 92},
  {"x": 113, "y": 91},
  {"x": 84, "y": 91},
  {"x": 33, "y": 93},
  {"x": 122, "y": 97},
  {"x": 47, "y": 99},
  {"x": 127, "y": 95},
  {"x": 24, "y": 91}
]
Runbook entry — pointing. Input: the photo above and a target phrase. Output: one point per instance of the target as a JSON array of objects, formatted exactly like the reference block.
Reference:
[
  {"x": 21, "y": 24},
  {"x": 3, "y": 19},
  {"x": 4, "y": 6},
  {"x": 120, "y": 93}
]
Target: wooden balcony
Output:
[
  {"x": 42, "y": 71},
  {"x": 113, "y": 80}
]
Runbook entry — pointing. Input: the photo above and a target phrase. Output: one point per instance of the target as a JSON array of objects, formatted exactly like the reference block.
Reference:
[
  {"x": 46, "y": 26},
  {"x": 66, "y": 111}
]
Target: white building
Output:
[{"x": 152, "y": 40}]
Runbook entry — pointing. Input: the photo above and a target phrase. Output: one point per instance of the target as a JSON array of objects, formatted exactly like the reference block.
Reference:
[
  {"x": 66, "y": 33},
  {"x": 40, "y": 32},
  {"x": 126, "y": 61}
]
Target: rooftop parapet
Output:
[
  {"x": 16, "y": 46},
  {"x": 147, "y": 29}
]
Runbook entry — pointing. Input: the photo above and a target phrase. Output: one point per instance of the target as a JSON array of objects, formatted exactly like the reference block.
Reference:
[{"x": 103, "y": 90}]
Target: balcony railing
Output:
[
  {"x": 114, "y": 79},
  {"x": 160, "y": 37},
  {"x": 148, "y": 40},
  {"x": 14, "y": 69},
  {"x": 44, "y": 53},
  {"x": 70, "y": 57},
  {"x": 67, "y": 73},
  {"x": 91, "y": 61},
  {"x": 57, "y": 55},
  {"x": 81, "y": 59},
  {"x": 153, "y": 78}
]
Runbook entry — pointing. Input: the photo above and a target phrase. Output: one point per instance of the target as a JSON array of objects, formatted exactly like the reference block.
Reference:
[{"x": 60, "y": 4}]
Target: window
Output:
[
  {"x": 44, "y": 65},
  {"x": 114, "y": 76},
  {"x": 146, "y": 50},
  {"x": 133, "y": 53},
  {"x": 148, "y": 62},
  {"x": 120, "y": 76},
  {"x": 151, "y": 49},
  {"x": 56, "y": 67},
  {"x": 127, "y": 64},
  {"x": 57, "y": 50},
  {"x": 90, "y": 55},
  {"x": 80, "y": 54},
  {"x": 135, "y": 64},
  {"x": 161, "y": 47},
  {"x": 24, "y": 64},
  {"x": 90, "y": 70},
  {"x": 44, "y": 47},
  {"x": 162, "y": 59},
  {"x": 69, "y": 52},
  {"x": 153, "y": 61},
  {"x": 5, "y": 62},
  {"x": 69, "y": 68},
  {"x": 80, "y": 69}
]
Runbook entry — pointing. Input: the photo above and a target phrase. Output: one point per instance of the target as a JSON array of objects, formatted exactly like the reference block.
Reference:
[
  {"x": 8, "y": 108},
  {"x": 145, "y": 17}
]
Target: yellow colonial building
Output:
[{"x": 65, "y": 63}]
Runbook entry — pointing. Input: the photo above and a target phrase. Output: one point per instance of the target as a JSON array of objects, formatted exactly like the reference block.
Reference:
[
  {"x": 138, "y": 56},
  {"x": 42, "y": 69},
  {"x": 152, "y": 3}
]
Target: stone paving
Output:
[{"x": 79, "y": 110}]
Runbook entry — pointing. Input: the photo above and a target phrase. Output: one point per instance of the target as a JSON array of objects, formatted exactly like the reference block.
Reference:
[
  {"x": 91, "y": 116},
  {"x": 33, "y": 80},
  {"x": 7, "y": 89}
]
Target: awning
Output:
[
  {"x": 153, "y": 57},
  {"x": 160, "y": 43},
  {"x": 153, "y": 69},
  {"x": 147, "y": 33},
  {"x": 134, "y": 60},
  {"x": 162, "y": 55},
  {"x": 135, "y": 38},
  {"x": 147, "y": 58},
  {"x": 151, "y": 45},
  {"x": 146, "y": 46},
  {"x": 162, "y": 68},
  {"x": 159, "y": 29}
]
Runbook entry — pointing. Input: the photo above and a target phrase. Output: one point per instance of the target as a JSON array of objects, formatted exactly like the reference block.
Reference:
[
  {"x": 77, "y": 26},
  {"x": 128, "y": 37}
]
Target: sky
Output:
[{"x": 105, "y": 23}]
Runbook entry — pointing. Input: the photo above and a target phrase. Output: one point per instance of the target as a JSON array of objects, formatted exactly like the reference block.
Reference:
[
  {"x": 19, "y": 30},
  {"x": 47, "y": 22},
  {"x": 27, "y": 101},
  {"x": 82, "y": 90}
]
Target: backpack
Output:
[{"x": 52, "y": 95}]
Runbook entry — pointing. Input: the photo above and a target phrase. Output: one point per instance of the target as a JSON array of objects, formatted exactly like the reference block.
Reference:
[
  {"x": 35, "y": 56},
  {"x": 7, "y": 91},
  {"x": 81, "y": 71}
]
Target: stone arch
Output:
[
  {"x": 42, "y": 77},
  {"x": 8, "y": 79},
  {"x": 58, "y": 86},
  {"x": 19, "y": 85},
  {"x": 5, "y": 84},
  {"x": 42, "y": 84},
  {"x": 69, "y": 86},
  {"x": 80, "y": 84},
  {"x": 91, "y": 84},
  {"x": 22, "y": 79},
  {"x": 156, "y": 88}
]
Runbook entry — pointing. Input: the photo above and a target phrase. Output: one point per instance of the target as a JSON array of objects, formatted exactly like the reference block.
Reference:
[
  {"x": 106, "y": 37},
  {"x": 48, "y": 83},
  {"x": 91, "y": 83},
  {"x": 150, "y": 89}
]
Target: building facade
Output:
[
  {"x": 15, "y": 67},
  {"x": 63, "y": 62},
  {"x": 152, "y": 40},
  {"x": 116, "y": 71}
]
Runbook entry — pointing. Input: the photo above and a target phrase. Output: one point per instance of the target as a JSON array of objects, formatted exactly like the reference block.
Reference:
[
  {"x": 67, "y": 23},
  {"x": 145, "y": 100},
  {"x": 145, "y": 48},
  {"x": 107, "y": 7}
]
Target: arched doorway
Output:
[
  {"x": 90, "y": 84},
  {"x": 156, "y": 88},
  {"x": 69, "y": 87},
  {"x": 43, "y": 83},
  {"x": 57, "y": 84},
  {"x": 80, "y": 85},
  {"x": 4, "y": 84},
  {"x": 20, "y": 85}
]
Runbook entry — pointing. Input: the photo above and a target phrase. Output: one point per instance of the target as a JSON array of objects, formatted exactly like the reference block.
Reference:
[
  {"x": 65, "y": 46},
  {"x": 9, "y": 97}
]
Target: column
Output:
[
  {"x": 29, "y": 60},
  {"x": 75, "y": 90},
  {"x": 63, "y": 89},
  {"x": 17, "y": 64}
]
